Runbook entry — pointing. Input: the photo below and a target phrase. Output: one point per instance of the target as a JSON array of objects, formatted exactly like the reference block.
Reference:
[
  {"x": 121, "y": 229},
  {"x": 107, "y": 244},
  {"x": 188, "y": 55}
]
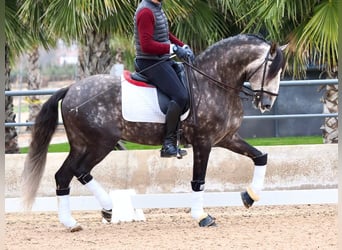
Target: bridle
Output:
[
  {"x": 245, "y": 89},
  {"x": 259, "y": 93}
]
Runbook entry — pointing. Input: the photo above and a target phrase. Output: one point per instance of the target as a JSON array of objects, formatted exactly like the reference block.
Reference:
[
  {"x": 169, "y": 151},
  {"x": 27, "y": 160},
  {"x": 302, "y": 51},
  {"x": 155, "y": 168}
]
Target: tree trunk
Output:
[
  {"x": 94, "y": 55},
  {"x": 11, "y": 136},
  {"x": 330, "y": 102},
  {"x": 34, "y": 81}
]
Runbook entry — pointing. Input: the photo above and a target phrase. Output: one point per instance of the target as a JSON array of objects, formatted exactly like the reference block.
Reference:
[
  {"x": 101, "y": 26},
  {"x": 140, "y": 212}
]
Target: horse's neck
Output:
[
  {"x": 208, "y": 93},
  {"x": 226, "y": 77},
  {"x": 229, "y": 66}
]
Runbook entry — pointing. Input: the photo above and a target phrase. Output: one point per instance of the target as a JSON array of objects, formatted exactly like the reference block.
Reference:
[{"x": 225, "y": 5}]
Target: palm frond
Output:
[
  {"x": 310, "y": 26},
  {"x": 17, "y": 35},
  {"x": 320, "y": 33}
]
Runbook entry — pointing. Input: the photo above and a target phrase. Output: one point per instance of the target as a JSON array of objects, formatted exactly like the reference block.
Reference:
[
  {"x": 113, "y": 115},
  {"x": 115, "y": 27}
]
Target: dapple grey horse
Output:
[{"x": 93, "y": 121}]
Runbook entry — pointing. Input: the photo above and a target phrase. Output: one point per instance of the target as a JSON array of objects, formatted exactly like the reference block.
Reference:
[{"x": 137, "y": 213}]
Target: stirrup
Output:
[
  {"x": 168, "y": 150},
  {"x": 165, "y": 152},
  {"x": 181, "y": 153}
]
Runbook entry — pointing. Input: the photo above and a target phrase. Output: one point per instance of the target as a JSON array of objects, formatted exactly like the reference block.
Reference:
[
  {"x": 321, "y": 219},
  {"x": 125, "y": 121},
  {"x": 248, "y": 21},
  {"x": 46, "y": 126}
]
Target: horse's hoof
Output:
[
  {"x": 246, "y": 199},
  {"x": 75, "y": 228},
  {"x": 208, "y": 221},
  {"x": 107, "y": 215}
]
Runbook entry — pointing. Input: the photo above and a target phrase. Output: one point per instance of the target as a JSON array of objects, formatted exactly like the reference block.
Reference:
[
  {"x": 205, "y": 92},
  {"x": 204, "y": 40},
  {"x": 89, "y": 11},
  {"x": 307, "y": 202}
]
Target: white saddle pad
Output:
[{"x": 140, "y": 103}]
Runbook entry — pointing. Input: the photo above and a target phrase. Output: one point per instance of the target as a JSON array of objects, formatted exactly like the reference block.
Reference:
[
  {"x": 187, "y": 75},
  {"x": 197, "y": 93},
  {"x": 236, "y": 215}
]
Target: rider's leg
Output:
[
  {"x": 164, "y": 76},
  {"x": 169, "y": 148}
]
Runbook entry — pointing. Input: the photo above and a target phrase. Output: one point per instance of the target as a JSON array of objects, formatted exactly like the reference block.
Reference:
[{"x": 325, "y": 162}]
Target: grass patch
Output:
[
  {"x": 274, "y": 141},
  {"x": 53, "y": 148},
  {"x": 136, "y": 146},
  {"x": 23, "y": 108},
  {"x": 65, "y": 147}
]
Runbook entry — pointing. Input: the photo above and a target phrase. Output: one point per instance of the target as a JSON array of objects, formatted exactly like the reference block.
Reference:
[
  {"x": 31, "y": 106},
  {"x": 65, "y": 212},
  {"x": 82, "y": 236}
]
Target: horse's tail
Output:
[{"x": 45, "y": 125}]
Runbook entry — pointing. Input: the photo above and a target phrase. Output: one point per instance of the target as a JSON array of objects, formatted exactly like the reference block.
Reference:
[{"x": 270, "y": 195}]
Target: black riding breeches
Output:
[{"x": 163, "y": 76}]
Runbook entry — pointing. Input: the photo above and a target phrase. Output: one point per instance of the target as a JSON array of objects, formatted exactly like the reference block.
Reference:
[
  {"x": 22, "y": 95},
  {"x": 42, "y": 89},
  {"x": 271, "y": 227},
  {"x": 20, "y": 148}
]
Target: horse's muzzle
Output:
[{"x": 263, "y": 102}]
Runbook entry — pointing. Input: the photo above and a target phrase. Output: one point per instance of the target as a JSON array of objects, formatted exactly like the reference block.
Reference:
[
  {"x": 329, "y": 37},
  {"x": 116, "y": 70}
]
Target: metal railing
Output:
[{"x": 285, "y": 83}]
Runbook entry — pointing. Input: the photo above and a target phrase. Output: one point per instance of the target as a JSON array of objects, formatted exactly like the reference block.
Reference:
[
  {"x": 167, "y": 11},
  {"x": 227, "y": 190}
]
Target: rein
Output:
[
  {"x": 248, "y": 90},
  {"x": 218, "y": 83}
]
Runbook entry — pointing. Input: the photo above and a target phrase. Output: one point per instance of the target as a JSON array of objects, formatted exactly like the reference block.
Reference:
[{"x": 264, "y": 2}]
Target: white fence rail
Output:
[{"x": 183, "y": 200}]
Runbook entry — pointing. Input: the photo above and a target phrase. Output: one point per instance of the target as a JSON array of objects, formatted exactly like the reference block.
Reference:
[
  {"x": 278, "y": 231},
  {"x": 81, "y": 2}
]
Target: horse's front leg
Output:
[
  {"x": 238, "y": 145},
  {"x": 201, "y": 152}
]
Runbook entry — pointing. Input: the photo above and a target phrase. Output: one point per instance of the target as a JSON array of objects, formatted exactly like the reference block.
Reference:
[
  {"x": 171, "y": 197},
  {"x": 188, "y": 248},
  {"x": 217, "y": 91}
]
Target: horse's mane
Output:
[
  {"x": 240, "y": 37},
  {"x": 260, "y": 37},
  {"x": 276, "y": 64}
]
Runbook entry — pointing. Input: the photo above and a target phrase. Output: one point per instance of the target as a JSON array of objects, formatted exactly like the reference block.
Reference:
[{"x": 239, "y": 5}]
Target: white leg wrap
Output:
[
  {"x": 101, "y": 195},
  {"x": 64, "y": 213},
  {"x": 197, "y": 211},
  {"x": 258, "y": 179}
]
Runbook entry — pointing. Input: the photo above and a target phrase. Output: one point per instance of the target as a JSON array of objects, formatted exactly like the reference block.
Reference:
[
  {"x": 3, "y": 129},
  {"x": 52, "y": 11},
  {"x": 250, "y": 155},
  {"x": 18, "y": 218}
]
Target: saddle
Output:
[
  {"x": 163, "y": 99},
  {"x": 144, "y": 102}
]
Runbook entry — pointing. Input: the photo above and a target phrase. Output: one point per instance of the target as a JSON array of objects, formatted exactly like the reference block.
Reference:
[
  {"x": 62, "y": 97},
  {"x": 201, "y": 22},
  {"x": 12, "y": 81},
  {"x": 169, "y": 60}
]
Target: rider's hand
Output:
[
  {"x": 180, "y": 52},
  {"x": 191, "y": 55},
  {"x": 184, "y": 53}
]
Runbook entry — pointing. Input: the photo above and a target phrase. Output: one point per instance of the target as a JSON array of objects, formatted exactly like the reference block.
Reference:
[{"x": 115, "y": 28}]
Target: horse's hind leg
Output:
[
  {"x": 91, "y": 157},
  {"x": 84, "y": 176},
  {"x": 63, "y": 178},
  {"x": 80, "y": 165},
  {"x": 238, "y": 145}
]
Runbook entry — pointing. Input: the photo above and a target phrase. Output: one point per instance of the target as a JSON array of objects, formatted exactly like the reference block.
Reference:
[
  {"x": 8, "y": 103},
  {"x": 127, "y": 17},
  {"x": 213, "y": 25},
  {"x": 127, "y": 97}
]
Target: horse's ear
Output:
[
  {"x": 283, "y": 47},
  {"x": 273, "y": 48}
]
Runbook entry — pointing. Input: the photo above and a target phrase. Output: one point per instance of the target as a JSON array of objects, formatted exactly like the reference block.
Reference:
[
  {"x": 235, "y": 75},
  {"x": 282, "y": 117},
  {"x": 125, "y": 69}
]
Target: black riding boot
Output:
[{"x": 170, "y": 148}]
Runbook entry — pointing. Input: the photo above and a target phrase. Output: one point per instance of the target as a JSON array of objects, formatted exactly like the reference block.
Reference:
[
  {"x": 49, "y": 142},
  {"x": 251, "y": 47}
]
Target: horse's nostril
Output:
[{"x": 268, "y": 107}]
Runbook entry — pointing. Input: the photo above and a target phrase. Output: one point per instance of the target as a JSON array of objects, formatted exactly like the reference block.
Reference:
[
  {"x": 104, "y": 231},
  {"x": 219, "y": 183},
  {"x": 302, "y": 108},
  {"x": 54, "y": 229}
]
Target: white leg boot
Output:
[
  {"x": 197, "y": 211},
  {"x": 103, "y": 197},
  {"x": 257, "y": 184},
  {"x": 64, "y": 214}
]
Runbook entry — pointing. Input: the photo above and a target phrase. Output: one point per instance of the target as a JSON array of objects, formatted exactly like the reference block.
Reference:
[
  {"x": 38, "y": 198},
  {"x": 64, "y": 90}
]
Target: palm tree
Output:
[
  {"x": 40, "y": 37},
  {"x": 11, "y": 141},
  {"x": 310, "y": 27},
  {"x": 33, "y": 83},
  {"x": 22, "y": 36},
  {"x": 17, "y": 41}
]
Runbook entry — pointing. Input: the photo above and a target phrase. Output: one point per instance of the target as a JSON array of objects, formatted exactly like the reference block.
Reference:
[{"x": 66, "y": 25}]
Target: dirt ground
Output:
[{"x": 261, "y": 227}]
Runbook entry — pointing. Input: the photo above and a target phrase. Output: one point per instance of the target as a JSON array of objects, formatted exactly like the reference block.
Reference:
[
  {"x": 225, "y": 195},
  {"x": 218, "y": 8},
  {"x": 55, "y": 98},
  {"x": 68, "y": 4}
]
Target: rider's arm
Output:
[{"x": 145, "y": 24}]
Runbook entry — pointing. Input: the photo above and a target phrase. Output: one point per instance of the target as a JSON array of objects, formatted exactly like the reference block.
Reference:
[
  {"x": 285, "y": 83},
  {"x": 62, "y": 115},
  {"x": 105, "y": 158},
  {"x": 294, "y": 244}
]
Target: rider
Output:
[{"x": 154, "y": 44}]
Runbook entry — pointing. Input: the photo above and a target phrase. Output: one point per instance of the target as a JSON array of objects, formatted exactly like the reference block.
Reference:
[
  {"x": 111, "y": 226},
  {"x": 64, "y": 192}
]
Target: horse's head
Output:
[{"x": 264, "y": 76}]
